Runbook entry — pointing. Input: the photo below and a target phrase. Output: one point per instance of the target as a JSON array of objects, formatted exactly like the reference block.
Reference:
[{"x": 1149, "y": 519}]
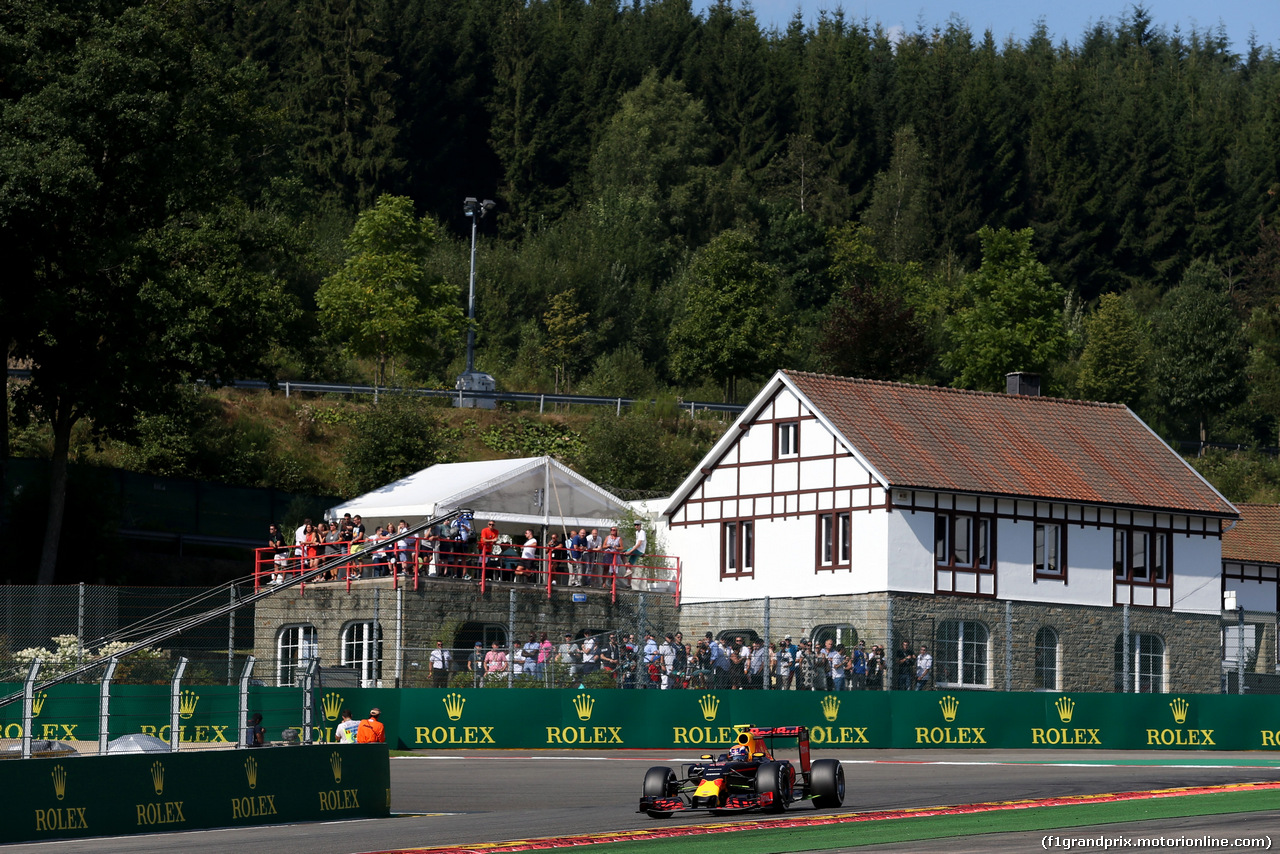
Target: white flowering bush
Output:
[{"x": 146, "y": 666}]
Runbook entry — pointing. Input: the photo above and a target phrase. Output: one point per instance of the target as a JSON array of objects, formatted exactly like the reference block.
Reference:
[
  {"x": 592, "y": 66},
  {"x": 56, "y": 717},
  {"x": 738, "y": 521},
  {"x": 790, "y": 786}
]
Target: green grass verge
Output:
[{"x": 853, "y": 834}]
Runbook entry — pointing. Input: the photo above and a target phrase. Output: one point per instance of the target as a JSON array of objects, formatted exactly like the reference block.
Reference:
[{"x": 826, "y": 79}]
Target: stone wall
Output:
[
  {"x": 412, "y": 620},
  {"x": 1086, "y": 634},
  {"x": 1086, "y": 640}
]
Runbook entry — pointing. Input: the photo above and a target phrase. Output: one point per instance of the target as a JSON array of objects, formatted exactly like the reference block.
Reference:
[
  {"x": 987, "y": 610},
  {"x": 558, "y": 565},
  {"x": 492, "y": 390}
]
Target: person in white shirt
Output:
[
  {"x": 529, "y": 555},
  {"x": 668, "y": 653},
  {"x": 590, "y": 656},
  {"x": 592, "y": 559},
  {"x": 300, "y": 538},
  {"x": 570, "y": 658},
  {"x": 346, "y": 731},
  {"x": 441, "y": 664},
  {"x": 635, "y": 555},
  {"x": 924, "y": 668}
]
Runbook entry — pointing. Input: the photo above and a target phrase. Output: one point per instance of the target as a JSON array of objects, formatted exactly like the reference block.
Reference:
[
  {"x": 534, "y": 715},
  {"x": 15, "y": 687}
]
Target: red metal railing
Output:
[{"x": 414, "y": 559}]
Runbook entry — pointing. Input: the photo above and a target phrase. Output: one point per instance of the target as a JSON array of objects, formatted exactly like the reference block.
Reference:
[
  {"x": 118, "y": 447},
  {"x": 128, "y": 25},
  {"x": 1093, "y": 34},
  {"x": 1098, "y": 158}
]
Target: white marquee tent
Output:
[{"x": 534, "y": 491}]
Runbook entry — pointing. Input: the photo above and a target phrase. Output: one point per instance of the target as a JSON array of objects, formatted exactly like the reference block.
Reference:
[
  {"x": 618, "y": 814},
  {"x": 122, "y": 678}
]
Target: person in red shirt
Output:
[
  {"x": 488, "y": 544},
  {"x": 371, "y": 730}
]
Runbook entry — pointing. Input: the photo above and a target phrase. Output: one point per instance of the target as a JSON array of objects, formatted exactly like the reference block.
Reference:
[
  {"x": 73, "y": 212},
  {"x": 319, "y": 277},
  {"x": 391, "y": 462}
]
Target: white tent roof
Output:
[{"x": 528, "y": 491}]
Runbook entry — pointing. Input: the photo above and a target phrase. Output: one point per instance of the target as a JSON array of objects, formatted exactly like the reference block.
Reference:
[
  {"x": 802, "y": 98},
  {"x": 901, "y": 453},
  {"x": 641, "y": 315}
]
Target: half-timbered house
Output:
[{"x": 1013, "y": 529}]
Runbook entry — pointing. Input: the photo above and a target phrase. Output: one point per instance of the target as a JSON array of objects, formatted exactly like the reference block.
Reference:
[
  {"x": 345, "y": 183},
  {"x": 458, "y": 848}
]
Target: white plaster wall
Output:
[
  {"x": 698, "y": 547},
  {"x": 720, "y": 483},
  {"x": 910, "y": 551},
  {"x": 1197, "y": 574},
  {"x": 756, "y": 443},
  {"x": 786, "y": 405},
  {"x": 1254, "y": 595},
  {"x": 755, "y": 480},
  {"x": 785, "y": 560},
  {"x": 1088, "y": 566},
  {"x": 816, "y": 439}
]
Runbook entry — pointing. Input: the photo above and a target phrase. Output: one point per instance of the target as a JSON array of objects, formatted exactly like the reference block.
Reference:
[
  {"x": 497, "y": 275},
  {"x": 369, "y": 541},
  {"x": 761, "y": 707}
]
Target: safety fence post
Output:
[
  {"x": 175, "y": 705},
  {"x": 28, "y": 706},
  {"x": 245, "y": 675},
  {"x": 104, "y": 705},
  {"x": 309, "y": 694},
  {"x": 767, "y": 676}
]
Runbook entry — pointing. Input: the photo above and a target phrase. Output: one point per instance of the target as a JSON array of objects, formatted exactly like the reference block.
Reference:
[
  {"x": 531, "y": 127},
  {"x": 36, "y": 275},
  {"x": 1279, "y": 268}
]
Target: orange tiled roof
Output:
[
  {"x": 1036, "y": 447},
  {"x": 1256, "y": 537}
]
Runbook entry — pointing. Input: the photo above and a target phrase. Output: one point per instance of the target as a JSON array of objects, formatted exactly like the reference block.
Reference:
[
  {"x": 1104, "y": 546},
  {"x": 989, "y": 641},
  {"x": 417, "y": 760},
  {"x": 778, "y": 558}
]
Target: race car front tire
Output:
[
  {"x": 659, "y": 782},
  {"x": 774, "y": 778},
  {"x": 826, "y": 783}
]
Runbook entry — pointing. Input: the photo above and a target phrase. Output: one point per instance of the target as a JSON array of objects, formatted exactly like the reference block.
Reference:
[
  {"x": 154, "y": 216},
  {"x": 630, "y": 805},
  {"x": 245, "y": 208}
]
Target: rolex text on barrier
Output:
[
  {"x": 707, "y": 721},
  {"x": 81, "y": 796}
]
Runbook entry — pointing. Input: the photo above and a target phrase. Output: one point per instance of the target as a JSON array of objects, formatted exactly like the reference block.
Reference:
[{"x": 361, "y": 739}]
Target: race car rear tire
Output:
[
  {"x": 774, "y": 778},
  {"x": 659, "y": 782},
  {"x": 826, "y": 783}
]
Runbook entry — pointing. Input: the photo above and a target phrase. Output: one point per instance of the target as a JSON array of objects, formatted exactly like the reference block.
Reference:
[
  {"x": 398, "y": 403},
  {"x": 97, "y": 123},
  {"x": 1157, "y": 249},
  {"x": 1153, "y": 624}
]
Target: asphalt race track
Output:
[{"x": 457, "y": 797}]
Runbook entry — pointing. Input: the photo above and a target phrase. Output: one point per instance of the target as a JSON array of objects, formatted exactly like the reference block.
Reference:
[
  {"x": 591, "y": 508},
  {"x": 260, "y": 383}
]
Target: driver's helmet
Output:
[{"x": 738, "y": 753}]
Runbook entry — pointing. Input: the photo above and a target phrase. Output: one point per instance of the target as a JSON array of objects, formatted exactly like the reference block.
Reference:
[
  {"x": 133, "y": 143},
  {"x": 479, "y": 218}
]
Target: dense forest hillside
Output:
[
  {"x": 215, "y": 190},
  {"x": 690, "y": 202}
]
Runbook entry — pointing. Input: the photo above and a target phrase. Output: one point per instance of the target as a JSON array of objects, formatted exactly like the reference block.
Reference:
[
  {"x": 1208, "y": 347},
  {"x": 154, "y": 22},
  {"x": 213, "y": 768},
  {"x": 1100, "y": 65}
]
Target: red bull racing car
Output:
[{"x": 747, "y": 778}]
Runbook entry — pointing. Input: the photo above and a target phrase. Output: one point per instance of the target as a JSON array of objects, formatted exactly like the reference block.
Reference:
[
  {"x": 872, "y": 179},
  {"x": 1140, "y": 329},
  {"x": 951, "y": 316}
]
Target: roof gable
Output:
[{"x": 928, "y": 437}]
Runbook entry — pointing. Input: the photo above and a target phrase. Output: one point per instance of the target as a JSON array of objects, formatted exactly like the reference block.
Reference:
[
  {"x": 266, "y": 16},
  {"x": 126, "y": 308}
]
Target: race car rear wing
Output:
[{"x": 799, "y": 733}]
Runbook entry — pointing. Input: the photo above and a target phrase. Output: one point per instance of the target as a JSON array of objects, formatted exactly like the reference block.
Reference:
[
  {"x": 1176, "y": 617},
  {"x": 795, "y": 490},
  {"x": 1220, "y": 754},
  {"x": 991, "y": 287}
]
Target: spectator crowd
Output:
[
  {"x": 667, "y": 661},
  {"x": 453, "y": 551}
]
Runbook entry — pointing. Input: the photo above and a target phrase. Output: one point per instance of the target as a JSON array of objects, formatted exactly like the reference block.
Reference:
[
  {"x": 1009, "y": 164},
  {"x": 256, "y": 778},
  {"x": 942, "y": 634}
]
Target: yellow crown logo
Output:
[
  {"x": 59, "y": 775},
  {"x": 1066, "y": 708},
  {"x": 37, "y": 704},
  {"x": 453, "y": 704},
  {"x": 251, "y": 772},
  {"x": 331, "y": 706},
  {"x": 157, "y": 777},
  {"x": 187, "y": 703},
  {"x": 1180, "y": 708},
  {"x": 830, "y": 707},
  {"x": 950, "y": 705},
  {"x": 583, "y": 704},
  {"x": 335, "y": 765},
  {"x": 709, "y": 705}
]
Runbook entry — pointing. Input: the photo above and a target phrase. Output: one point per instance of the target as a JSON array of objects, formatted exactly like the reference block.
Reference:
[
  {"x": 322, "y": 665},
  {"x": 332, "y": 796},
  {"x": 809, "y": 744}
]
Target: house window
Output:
[
  {"x": 1146, "y": 664},
  {"x": 1046, "y": 660},
  {"x": 961, "y": 540},
  {"x": 1050, "y": 550},
  {"x": 788, "y": 438},
  {"x": 362, "y": 651},
  {"x": 738, "y": 548},
  {"x": 963, "y": 650},
  {"x": 295, "y": 647},
  {"x": 1141, "y": 556},
  {"x": 835, "y": 540}
]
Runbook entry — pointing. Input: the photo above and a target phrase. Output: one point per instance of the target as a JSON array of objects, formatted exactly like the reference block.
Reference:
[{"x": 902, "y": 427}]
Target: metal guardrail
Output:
[{"x": 462, "y": 395}]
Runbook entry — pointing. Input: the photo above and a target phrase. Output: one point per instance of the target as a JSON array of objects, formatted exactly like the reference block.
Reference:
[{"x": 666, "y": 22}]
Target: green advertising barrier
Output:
[
  {"x": 81, "y": 796},
  {"x": 422, "y": 718}
]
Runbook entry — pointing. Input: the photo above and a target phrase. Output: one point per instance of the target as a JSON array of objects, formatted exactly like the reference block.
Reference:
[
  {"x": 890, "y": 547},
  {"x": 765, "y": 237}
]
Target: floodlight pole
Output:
[{"x": 476, "y": 211}]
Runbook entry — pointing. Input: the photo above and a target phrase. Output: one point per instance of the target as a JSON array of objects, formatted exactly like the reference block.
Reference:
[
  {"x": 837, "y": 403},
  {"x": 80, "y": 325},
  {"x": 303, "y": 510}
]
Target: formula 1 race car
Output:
[{"x": 746, "y": 778}]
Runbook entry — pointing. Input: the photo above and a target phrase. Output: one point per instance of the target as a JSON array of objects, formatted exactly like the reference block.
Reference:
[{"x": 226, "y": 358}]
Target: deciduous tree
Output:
[
  {"x": 728, "y": 327},
  {"x": 1199, "y": 349},
  {"x": 383, "y": 303},
  {"x": 131, "y": 156},
  {"x": 1011, "y": 316},
  {"x": 1115, "y": 364}
]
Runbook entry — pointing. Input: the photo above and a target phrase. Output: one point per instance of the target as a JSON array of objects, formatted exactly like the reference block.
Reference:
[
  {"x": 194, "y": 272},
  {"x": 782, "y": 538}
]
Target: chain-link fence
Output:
[{"x": 68, "y": 626}]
